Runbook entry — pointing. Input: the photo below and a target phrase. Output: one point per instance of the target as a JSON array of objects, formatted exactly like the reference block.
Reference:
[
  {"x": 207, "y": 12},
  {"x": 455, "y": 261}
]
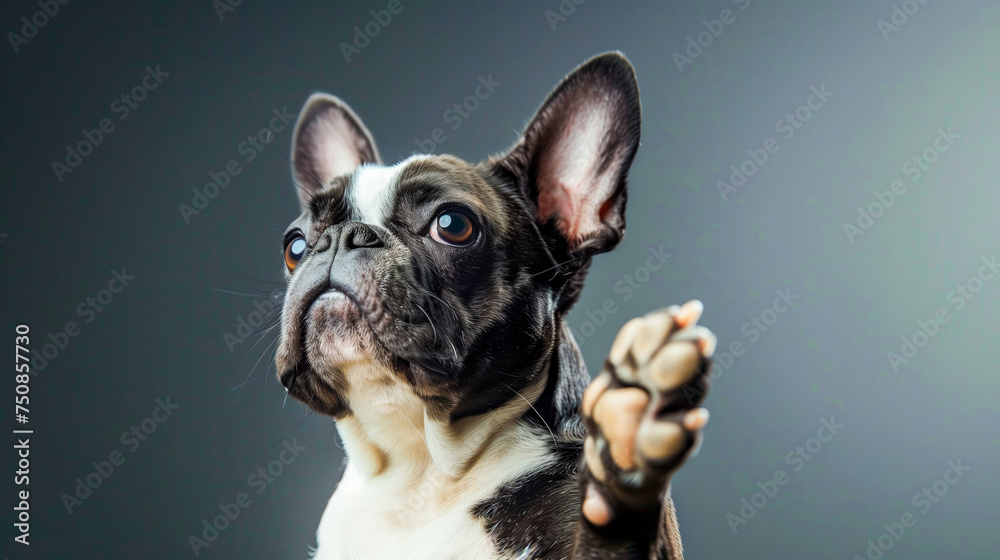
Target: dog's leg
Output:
[{"x": 642, "y": 424}]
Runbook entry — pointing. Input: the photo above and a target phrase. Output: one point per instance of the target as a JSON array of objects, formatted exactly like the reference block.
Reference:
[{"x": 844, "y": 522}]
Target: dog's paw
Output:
[{"x": 641, "y": 411}]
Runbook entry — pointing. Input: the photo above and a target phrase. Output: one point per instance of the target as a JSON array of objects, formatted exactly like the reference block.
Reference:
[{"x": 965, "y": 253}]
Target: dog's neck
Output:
[{"x": 389, "y": 428}]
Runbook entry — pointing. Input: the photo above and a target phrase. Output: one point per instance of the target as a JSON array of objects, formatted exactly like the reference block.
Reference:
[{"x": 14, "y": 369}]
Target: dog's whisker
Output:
[
  {"x": 262, "y": 333},
  {"x": 304, "y": 168},
  {"x": 308, "y": 414},
  {"x": 239, "y": 385},
  {"x": 231, "y": 292},
  {"x": 451, "y": 308},
  {"x": 273, "y": 322},
  {"x": 558, "y": 265},
  {"x": 446, "y": 304},
  {"x": 336, "y": 439},
  {"x": 276, "y": 293},
  {"x": 433, "y": 328},
  {"x": 412, "y": 424},
  {"x": 554, "y": 442},
  {"x": 273, "y": 343}
]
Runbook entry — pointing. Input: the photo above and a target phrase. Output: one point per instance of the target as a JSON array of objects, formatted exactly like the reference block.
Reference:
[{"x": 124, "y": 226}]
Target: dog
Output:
[{"x": 425, "y": 313}]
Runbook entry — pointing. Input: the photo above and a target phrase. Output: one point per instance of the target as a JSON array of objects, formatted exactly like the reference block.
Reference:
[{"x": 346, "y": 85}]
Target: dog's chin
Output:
[
  {"x": 319, "y": 392},
  {"x": 340, "y": 351},
  {"x": 336, "y": 331}
]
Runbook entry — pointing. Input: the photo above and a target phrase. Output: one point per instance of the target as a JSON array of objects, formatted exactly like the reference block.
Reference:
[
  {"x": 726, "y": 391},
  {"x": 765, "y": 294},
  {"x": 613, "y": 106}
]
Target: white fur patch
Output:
[
  {"x": 395, "y": 502},
  {"x": 407, "y": 514},
  {"x": 373, "y": 190}
]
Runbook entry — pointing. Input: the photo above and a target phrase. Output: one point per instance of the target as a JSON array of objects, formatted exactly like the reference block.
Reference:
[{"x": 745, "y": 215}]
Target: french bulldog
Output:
[{"x": 426, "y": 313}]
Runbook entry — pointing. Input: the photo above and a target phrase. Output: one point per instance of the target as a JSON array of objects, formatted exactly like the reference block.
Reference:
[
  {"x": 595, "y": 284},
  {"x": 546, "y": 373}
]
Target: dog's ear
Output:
[
  {"x": 329, "y": 140},
  {"x": 573, "y": 158}
]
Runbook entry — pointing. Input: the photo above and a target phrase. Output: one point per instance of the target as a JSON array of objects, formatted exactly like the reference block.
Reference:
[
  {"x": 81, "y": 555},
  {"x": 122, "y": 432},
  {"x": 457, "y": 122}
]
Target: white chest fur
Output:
[
  {"x": 397, "y": 516},
  {"x": 410, "y": 484},
  {"x": 385, "y": 519}
]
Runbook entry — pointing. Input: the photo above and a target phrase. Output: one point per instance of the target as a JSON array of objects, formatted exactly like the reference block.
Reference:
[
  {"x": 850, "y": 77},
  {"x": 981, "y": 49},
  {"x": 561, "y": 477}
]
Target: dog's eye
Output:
[
  {"x": 454, "y": 228},
  {"x": 294, "y": 251}
]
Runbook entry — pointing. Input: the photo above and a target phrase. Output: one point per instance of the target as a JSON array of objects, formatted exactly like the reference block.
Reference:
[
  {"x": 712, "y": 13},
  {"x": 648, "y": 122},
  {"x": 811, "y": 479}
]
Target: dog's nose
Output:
[{"x": 359, "y": 235}]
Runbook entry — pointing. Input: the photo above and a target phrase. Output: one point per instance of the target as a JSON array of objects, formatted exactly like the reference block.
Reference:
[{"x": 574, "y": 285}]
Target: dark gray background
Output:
[{"x": 826, "y": 356}]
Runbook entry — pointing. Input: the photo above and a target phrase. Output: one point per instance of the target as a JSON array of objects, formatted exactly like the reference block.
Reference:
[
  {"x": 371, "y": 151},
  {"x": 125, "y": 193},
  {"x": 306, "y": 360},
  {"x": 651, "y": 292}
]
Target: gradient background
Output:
[{"x": 826, "y": 356}]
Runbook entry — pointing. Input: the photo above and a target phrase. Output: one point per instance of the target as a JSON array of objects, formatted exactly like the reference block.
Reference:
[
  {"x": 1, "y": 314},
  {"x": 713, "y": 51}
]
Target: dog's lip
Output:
[
  {"x": 337, "y": 291},
  {"x": 335, "y": 297},
  {"x": 288, "y": 378},
  {"x": 333, "y": 291},
  {"x": 331, "y": 294},
  {"x": 335, "y": 294}
]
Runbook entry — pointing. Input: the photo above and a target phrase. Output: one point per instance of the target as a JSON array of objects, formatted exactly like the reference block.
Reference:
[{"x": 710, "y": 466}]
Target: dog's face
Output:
[{"x": 448, "y": 276}]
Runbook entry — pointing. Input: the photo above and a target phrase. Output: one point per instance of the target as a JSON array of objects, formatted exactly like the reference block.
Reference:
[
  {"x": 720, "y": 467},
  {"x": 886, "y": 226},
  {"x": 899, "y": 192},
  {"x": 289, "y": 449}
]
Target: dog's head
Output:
[{"x": 452, "y": 277}]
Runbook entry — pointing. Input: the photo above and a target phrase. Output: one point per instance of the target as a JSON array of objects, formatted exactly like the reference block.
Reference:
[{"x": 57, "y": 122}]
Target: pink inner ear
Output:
[
  {"x": 330, "y": 139},
  {"x": 555, "y": 199},
  {"x": 569, "y": 186}
]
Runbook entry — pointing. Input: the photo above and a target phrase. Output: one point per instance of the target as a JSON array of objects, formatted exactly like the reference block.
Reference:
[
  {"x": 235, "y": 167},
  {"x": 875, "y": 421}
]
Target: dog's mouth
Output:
[
  {"x": 349, "y": 332},
  {"x": 289, "y": 378},
  {"x": 336, "y": 299},
  {"x": 336, "y": 335},
  {"x": 315, "y": 391}
]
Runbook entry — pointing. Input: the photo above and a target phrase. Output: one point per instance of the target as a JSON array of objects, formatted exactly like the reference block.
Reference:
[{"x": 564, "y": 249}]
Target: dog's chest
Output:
[
  {"x": 387, "y": 520},
  {"x": 395, "y": 501}
]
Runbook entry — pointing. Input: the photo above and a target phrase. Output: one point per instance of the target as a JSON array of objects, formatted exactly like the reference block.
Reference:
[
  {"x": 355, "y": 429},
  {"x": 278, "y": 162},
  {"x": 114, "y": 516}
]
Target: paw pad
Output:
[{"x": 641, "y": 418}]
